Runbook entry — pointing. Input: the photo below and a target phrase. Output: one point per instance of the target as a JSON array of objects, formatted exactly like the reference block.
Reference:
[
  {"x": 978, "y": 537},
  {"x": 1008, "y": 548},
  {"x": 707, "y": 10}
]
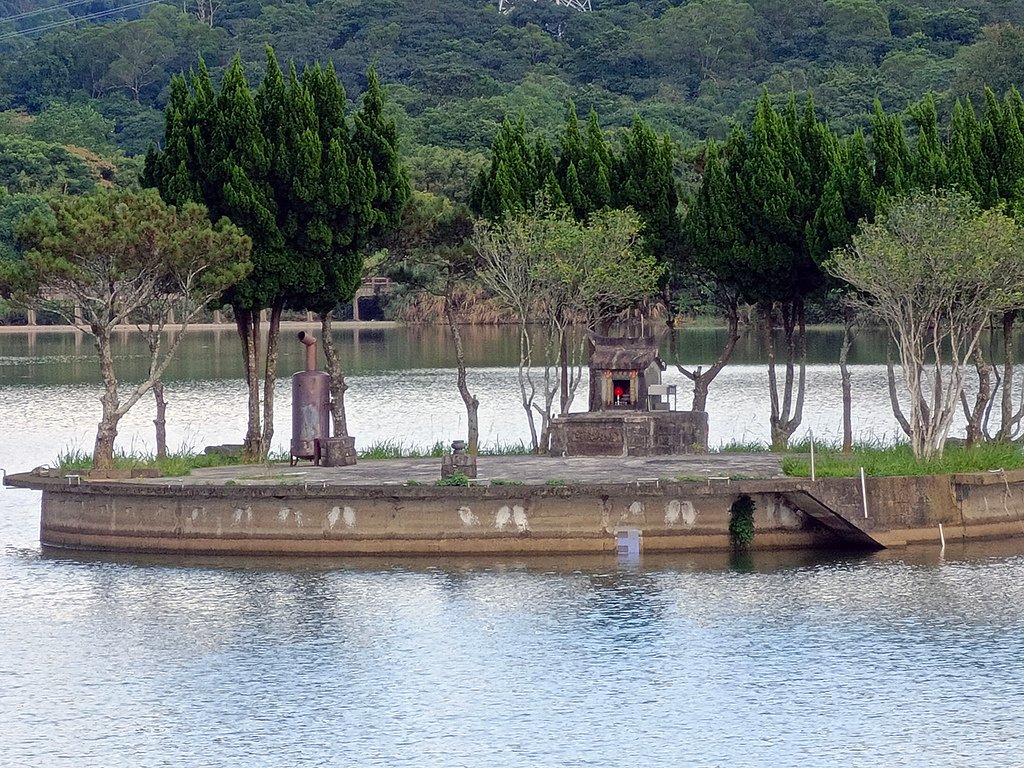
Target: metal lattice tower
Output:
[{"x": 504, "y": 6}]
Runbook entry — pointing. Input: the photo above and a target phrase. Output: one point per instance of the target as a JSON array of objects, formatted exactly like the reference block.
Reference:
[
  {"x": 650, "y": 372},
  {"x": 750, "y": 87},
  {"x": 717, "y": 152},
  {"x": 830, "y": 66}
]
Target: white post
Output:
[
  {"x": 864, "y": 492},
  {"x": 813, "y": 477},
  {"x": 942, "y": 538}
]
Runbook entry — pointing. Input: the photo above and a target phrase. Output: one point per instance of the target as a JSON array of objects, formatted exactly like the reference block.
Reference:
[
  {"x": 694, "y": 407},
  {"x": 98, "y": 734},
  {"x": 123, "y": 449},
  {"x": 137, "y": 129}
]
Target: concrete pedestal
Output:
[
  {"x": 629, "y": 433},
  {"x": 337, "y": 451},
  {"x": 458, "y": 461}
]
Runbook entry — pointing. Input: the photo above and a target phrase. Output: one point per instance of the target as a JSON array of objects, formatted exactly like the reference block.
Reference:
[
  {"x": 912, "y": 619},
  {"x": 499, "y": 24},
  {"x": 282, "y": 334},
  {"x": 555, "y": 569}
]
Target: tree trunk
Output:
[
  {"x": 527, "y": 390},
  {"x": 1008, "y": 419},
  {"x": 549, "y": 390},
  {"x": 702, "y": 380},
  {"x": 576, "y": 351},
  {"x": 844, "y": 377},
  {"x": 890, "y": 375},
  {"x": 160, "y": 422},
  {"x": 563, "y": 363},
  {"x": 248, "y": 323},
  {"x": 270, "y": 377},
  {"x": 787, "y": 415},
  {"x": 768, "y": 325},
  {"x": 106, "y": 432},
  {"x": 472, "y": 403},
  {"x": 974, "y": 416},
  {"x": 337, "y": 385}
]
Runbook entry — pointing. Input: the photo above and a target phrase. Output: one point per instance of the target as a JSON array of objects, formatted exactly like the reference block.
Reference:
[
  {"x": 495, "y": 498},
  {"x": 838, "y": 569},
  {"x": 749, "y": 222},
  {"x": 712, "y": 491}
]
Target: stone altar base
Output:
[
  {"x": 336, "y": 451},
  {"x": 629, "y": 433},
  {"x": 458, "y": 461}
]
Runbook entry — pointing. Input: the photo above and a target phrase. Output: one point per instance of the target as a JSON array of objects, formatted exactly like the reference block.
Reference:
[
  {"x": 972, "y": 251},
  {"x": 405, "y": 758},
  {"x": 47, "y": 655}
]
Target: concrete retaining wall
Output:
[
  {"x": 397, "y": 520},
  {"x": 143, "y": 516}
]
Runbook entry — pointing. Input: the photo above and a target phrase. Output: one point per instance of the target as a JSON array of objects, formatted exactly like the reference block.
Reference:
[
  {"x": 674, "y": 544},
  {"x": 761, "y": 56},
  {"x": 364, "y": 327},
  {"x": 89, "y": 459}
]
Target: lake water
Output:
[{"x": 901, "y": 658}]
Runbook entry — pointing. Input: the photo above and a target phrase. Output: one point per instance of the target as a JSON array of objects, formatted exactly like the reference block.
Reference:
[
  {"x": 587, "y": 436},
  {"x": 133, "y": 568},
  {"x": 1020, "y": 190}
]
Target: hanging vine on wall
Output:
[{"x": 741, "y": 522}]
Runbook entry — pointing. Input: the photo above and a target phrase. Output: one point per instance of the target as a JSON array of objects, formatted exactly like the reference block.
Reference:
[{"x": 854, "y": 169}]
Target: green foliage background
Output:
[
  {"x": 457, "y": 68},
  {"x": 80, "y": 103}
]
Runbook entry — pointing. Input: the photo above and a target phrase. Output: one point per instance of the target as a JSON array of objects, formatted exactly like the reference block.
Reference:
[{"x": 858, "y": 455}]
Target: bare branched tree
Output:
[
  {"x": 547, "y": 267},
  {"x": 934, "y": 269},
  {"x": 122, "y": 258}
]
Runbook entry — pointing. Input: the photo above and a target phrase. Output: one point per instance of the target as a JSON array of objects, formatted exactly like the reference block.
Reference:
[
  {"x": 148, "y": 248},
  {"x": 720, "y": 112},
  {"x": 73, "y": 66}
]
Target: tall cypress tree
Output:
[
  {"x": 510, "y": 183},
  {"x": 929, "y": 170},
  {"x": 1011, "y": 177},
  {"x": 773, "y": 214},
  {"x": 645, "y": 181},
  {"x": 771, "y": 205},
  {"x": 713, "y": 257},
  {"x": 281, "y": 166},
  {"x": 571, "y": 146},
  {"x": 891, "y": 152},
  {"x": 375, "y": 139},
  {"x": 595, "y": 173},
  {"x": 572, "y": 153},
  {"x": 964, "y": 155},
  {"x": 992, "y": 140}
]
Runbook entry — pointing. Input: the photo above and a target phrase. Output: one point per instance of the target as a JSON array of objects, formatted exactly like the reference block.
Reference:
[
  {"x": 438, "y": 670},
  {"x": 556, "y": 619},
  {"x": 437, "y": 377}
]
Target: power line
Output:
[
  {"x": 37, "y": 11},
  {"x": 76, "y": 19}
]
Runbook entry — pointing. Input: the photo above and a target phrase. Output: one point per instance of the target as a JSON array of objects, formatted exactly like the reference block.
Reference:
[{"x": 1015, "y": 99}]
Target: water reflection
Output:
[
  {"x": 531, "y": 661},
  {"x": 907, "y": 657},
  {"x": 46, "y": 357}
]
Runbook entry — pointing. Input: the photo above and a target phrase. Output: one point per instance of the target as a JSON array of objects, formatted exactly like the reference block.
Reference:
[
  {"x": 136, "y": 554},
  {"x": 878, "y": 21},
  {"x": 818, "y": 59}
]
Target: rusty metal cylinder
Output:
[
  {"x": 311, "y": 412},
  {"x": 311, "y": 404}
]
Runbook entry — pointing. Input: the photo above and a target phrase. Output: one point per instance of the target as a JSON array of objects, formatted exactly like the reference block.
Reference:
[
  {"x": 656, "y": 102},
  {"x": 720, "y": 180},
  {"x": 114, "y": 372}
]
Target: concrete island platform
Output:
[{"x": 519, "y": 505}]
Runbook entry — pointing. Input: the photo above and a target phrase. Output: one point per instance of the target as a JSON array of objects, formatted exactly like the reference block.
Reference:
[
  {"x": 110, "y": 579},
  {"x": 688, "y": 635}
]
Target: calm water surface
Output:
[{"x": 906, "y": 658}]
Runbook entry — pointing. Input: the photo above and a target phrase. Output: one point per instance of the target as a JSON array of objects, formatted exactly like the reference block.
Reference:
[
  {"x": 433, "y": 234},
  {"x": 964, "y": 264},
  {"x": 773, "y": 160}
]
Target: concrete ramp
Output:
[{"x": 844, "y": 527}]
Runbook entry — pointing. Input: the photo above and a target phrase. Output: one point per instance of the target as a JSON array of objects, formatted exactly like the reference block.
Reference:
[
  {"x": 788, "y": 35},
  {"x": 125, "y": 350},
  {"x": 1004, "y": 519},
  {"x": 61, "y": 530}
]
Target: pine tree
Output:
[
  {"x": 571, "y": 147},
  {"x": 770, "y": 202},
  {"x": 283, "y": 166},
  {"x": 595, "y": 173},
  {"x": 891, "y": 152},
  {"x": 511, "y": 182},
  {"x": 929, "y": 169},
  {"x": 375, "y": 139},
  {"x": 645, "y": 181},
  {"x": 574, "y": 195},
  {"x": 1012, "y": 167},
  {"x": 713, "y": 239},
  {"x": 963, "y": 151}
]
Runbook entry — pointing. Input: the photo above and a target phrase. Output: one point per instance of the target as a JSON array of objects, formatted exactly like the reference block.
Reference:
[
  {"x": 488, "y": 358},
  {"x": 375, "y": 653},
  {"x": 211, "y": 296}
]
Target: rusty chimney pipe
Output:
[{"x": 310, "y": 342}]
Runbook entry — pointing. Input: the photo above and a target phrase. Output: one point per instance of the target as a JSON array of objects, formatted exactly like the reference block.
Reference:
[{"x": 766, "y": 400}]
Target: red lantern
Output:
[{"x": 618, "y": 391}]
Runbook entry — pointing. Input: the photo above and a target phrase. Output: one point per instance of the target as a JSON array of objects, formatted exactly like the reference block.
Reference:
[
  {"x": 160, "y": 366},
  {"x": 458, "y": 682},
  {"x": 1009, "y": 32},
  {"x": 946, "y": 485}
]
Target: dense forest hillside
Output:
[
  {"x": 456, "y": 68},
  {"x": 83, "y": 83}
]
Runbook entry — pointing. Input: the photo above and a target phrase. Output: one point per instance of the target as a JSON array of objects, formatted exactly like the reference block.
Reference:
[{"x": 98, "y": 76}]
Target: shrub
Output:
[{"x": 741, "y": 522}]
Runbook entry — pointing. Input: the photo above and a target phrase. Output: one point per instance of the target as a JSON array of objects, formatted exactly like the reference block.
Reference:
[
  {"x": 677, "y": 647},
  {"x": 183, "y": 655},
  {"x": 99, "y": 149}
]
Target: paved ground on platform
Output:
[{"x": 529, "y": 470}]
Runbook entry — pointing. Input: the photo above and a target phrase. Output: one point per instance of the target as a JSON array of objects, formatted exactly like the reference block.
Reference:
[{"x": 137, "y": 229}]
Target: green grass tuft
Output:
[
  {"x": 385, "y": 449},
  {"x": 176, "y": 464},
  {"x": 735, "y": 446},
  {"x": 506, "y": 449},
  {"x": 397, "y": 449},
  {"x": 896, "y": 460},
  {"x": 455, "y": 479}
]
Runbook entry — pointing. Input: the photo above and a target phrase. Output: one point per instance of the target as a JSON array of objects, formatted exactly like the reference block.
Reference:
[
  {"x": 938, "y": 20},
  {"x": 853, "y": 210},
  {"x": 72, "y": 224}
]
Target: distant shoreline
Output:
[{"x": 285, "y": 324}]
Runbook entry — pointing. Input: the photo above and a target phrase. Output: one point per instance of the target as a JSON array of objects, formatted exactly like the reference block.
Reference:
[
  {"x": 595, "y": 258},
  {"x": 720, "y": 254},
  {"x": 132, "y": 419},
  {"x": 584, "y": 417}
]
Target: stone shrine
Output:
[{"x": 631, "y": 412}]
